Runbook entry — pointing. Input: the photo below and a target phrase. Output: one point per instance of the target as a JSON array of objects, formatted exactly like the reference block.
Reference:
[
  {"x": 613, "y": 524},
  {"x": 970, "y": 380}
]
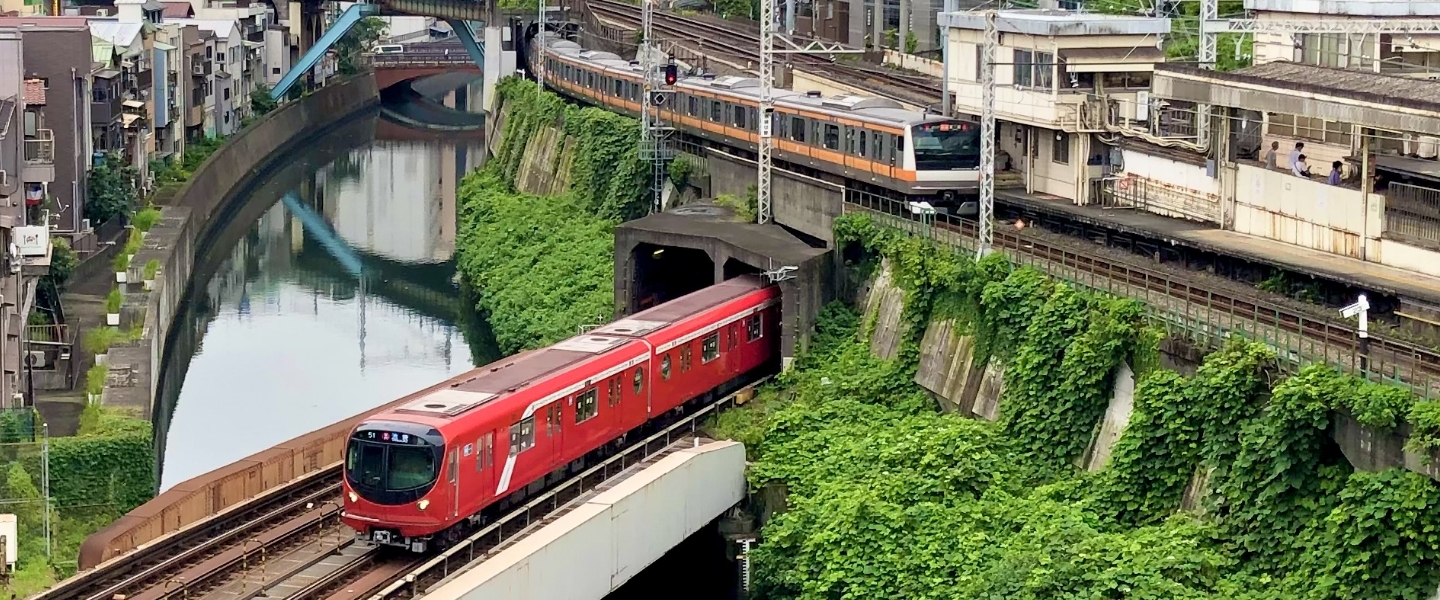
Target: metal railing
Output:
[
  {"x": 55, "y": 333},
  {"x": 1157, "y": 197},
  {"x": 1182, "y": 308},
  {"x": 422, "y": 58},
  {"x": 41, "y": 147},
  {"x": 1413, "y": 212}
]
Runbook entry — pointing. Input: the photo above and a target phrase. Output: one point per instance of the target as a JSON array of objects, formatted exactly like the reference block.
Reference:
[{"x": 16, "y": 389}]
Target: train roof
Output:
[
  {"x": 870, "y": 108},
  {"x": 514, "y": 375}
]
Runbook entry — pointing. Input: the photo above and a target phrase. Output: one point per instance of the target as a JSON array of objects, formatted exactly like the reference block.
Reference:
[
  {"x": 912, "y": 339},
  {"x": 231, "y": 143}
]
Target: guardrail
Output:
[{"x": 1206, "y": 316}]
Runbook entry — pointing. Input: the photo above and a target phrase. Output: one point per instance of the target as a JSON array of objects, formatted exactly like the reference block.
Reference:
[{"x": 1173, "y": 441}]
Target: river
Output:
[{"x": 283, "y": 337}]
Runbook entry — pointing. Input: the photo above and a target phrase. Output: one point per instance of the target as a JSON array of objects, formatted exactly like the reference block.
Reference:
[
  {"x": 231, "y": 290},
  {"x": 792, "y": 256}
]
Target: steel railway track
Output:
[
  {"x": 231, "y": 536},
  {"x": 736, "y": 40}
]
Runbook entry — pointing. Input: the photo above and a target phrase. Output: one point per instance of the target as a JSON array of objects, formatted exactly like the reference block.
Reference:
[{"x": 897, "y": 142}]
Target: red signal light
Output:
[{"x": 672, "y": 74}]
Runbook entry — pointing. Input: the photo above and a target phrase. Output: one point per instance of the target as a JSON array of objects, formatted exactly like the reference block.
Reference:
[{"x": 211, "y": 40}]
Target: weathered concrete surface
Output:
[
  {"x": 716, "y": 232},
  {"x": 1112, "y": 425},
  {"x": 802, "y": 203},
  {"x": 884, "y": 306}
]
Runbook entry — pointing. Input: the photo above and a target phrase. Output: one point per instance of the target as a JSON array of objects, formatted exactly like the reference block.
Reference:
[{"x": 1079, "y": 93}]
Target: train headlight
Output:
[
  {"x": 354, "y": 497},
  {"x": 424, "y": 503}
]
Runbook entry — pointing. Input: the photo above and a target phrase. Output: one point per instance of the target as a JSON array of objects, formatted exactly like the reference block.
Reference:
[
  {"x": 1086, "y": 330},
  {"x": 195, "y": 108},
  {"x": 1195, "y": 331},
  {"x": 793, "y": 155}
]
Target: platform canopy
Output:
[{"x": 1360, "y": 97}]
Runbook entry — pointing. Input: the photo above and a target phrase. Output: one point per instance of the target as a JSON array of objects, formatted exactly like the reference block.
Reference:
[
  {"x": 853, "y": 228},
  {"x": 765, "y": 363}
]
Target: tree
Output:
[
  {"x": 112, "y": 192},
  {"x": 356, "y": 42},
  {"x": 261, "y": 102}
]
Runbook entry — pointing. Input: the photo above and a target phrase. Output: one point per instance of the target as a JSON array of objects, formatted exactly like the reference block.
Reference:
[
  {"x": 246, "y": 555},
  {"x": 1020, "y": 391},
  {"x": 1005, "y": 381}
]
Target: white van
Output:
[{"x": 389, "y": 49}]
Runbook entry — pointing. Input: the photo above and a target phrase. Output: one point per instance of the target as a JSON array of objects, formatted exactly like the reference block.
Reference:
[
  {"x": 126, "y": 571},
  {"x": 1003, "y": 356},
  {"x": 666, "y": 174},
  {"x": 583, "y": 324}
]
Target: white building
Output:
[
  {"x": 1058, "y": 76},
  {"x": 229, "y": 89}
]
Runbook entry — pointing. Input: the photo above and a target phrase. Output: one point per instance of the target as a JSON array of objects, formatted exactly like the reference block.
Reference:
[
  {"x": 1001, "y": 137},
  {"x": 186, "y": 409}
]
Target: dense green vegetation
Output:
[
  {"x": 95, "y": 477},
  {"x": 541, "y": 267},
  {"x": 889, "y": 498}
]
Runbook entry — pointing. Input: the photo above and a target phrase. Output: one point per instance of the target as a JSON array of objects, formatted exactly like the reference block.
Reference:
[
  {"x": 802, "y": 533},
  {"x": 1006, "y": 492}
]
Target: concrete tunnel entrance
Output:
[{"x": 664, "y": 273}]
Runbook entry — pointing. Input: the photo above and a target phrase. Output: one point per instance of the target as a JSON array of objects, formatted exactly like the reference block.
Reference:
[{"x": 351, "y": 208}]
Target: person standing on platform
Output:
[
  {"x": 1296, "y": 154},
  {"x": 1334, "y": 173},
  {"x": 1270, "y": 155}
]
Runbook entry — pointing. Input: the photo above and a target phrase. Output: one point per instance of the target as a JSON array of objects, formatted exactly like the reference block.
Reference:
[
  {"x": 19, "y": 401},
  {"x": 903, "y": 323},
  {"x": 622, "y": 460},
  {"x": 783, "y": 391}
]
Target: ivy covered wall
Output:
[
  {"x": 542, "y": 266},
  {"x": 889, "y": 498}
]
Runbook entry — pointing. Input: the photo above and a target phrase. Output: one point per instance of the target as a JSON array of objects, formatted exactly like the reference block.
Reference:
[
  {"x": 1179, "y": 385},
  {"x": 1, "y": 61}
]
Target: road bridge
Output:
[{"x": 421, "y": 60}]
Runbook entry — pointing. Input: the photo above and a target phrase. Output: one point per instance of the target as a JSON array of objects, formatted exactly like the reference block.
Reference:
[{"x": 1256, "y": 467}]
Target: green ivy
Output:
[{"x": 1424, "y": 421}]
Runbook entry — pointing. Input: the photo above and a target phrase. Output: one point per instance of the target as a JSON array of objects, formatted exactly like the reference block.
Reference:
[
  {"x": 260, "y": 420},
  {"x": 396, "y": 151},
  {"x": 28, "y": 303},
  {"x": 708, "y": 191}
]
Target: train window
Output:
[
  {"x": 739, "y": 116},
  {"x": 753, "y": 327},
  {"x": 585, "y": 406},
  {"x": 797, "y": 129},
  {"x": 639, "y": 379},
  {"x": 710, "y": 348},
  {"x": 716, "y": 107},
  {"x": 614, "y": 396},
  {"x": 367, "y": 463},
  {"x": 864, "y": 136},
  {"x": 731, "y": 337},
  {"x": 877, "y": 145},
  {"x": 454, "y": 470},
  {"x": 485, "y": 446},
  {"x": 410, "y": 467},
  {"x": 693, "y": 106},
  {"x": 832, "y": 137},
  {"x": 685, "y": 352},
  {"x": 522, "y": 435},
  {"x": 849, "y": 140},
  {"x": 665, "y": 367},
  {"x": 619, "y": 88}
]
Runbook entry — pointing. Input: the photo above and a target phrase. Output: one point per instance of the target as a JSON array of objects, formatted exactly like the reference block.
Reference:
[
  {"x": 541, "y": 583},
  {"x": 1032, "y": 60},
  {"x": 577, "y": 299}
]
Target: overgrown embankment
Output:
[
  {"x": 536, "y": 233},
  {"x": 1225, "y": 484},
  {"x": 96, "y": 476}
]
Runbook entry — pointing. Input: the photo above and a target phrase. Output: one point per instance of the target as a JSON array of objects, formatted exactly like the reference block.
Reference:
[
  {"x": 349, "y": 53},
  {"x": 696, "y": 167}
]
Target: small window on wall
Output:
[
  {"x": 522, "y": 435},
  {"x": 710, "y": 348},
  {"x": 1060, "y": 148},
  {"x": 754, "y": 329},
  {"x": 586, "y": 406}
]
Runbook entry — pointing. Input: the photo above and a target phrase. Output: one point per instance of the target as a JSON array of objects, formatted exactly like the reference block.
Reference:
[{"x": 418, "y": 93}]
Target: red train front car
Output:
[{"x": 443, "y": 460}]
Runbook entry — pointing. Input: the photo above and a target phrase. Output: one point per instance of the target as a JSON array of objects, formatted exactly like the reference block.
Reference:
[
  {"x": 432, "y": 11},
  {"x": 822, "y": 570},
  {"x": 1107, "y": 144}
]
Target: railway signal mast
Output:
[
  {"x": 985, "y": 229},
  {"x": 773, "y": 43},
  {"x": 653, "y": 133}
]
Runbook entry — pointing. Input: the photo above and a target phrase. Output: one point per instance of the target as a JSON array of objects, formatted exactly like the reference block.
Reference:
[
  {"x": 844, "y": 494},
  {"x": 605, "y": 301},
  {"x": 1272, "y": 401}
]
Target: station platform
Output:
[{"x": 1199, "y": 236}]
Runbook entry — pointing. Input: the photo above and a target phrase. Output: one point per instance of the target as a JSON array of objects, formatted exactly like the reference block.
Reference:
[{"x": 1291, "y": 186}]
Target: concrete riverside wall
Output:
[
  {"x": 602, "y": 543},
  {"x": 134, "y": 368},
  {"x": 948, "y": 370}
]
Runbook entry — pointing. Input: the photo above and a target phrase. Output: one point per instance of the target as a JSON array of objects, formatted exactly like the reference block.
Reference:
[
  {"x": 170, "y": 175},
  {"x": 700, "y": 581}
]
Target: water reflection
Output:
[{"x": 294, "y": 341}]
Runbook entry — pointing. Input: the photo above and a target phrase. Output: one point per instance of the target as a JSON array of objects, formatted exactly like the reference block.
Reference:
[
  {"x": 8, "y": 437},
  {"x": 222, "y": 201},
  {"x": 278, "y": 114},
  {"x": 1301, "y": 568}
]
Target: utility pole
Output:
[
  {"x": 985, "y": 229},
  {"x": 45, "y": 480},
  {"x": 770, "y": 37},
  {"x": 540, "y": 45},
  {"x": 653, "y": 133}
]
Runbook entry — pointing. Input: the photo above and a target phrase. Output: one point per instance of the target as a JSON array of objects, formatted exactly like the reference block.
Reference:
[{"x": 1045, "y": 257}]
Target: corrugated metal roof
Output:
[
  {"x": 34, "y": 92},
  {"x": 1362, "y": 85},
  {"x": 115, "y": 32}
]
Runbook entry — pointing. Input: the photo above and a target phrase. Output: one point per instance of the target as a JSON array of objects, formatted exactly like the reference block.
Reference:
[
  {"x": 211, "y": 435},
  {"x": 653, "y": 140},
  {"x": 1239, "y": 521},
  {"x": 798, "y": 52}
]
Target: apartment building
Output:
[
  {"x": 223, "y": 59},
  {"x": 25, "y": 248},
  {"x": 58, "y": 62}
]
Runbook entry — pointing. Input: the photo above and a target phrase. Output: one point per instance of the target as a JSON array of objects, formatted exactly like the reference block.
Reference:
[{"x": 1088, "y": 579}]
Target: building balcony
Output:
[
  {"x": 40, "y": 157},
  {"x": 195, "y": 116},
  {"x": 105, "y": 111},
  {"x": 200, "y": 69},
  {"x": 145, "y": 79}
]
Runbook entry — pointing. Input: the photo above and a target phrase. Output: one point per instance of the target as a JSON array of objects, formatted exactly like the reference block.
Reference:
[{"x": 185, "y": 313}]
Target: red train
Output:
[{"x": 423, "y": 474}]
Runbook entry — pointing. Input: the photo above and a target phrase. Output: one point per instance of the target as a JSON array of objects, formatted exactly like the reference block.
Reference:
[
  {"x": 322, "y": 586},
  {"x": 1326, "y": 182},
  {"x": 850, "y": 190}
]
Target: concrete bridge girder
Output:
[{"x": 389, "y": 76}]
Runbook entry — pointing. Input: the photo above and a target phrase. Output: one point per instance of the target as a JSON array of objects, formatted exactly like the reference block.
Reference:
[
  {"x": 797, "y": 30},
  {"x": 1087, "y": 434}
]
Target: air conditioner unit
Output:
[
  {"x": 84, "y": 224},
  {"x": 102, "y": 12},
  {"x": 18, "y": 398},
  {"x": 37, "y": 359}
]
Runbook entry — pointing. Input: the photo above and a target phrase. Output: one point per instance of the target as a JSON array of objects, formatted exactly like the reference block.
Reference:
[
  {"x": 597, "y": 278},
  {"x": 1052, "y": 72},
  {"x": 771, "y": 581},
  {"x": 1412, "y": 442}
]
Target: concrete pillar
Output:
[
  {"x": 902, "y": 32},
  {"x": 1367, "y": 189},
  {"x": 856, "y": 26},
  {"x": 499, "y": 60},
  {"x": 877, "y": 28},
  {"x": 923, "y": 14}
]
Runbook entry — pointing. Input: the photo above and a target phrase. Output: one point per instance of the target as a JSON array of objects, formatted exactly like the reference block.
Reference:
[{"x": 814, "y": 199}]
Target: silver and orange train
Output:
[{"x": 865, "y": 139}]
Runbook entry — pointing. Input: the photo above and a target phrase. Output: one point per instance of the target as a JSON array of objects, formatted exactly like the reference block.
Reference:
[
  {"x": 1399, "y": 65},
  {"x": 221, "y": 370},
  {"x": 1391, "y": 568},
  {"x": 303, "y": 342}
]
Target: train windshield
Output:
[
  {"x": 946, "y": 146},
  {"x": 395, "y": 470}
]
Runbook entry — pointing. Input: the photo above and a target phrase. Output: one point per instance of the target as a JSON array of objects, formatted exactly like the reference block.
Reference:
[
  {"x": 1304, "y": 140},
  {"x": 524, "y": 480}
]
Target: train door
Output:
[
  {"x": 454, "y": 474},
  {"x": 485, "y": 470},
  {"x": 553, "y": 434}
]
